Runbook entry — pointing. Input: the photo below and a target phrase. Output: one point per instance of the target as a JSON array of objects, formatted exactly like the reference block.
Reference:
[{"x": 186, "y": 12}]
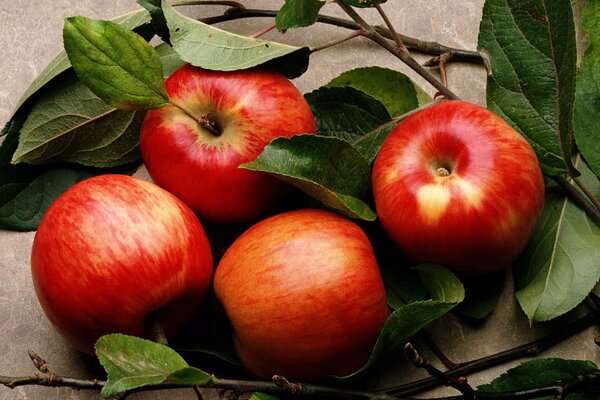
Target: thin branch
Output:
[
  {"x": 579, "y": 198},
  {"x": 421, "y": 46},
  {"x": 354, "y": 34},
  {"x": 232, "y": 4},
  {"x": 401, "y": 53},
  {"x": 396, "y": 120},
  {"x": 459, "y": 383},
  {"x": 397, "y": 38},
  {"x": 263, "y": 31},
  {"x": 587, "y": 193},
  {"x": 527, "y": 350}
]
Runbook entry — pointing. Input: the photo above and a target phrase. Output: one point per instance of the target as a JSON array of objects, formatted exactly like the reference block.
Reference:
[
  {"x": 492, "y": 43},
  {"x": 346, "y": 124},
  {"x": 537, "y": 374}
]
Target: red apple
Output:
[
  {"x": 304, "y": 294},
  {"x": 456, "y": 185},
  {"x": 198, "y": 162},
  {"x": 114, "y": 253}
]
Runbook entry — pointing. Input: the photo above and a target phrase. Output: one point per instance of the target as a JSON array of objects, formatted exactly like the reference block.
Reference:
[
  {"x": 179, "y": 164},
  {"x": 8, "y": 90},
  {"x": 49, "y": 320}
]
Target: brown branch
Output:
[
  {"x": 421, "y": 46},
  {"x": 527, "y": 350},
  {"x": 461, "y": 384},
  {"x": 400, "y": 52}
]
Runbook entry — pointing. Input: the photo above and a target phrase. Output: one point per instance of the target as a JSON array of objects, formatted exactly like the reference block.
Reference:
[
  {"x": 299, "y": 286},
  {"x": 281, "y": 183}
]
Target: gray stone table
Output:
[{"x": 30, "y": 33}]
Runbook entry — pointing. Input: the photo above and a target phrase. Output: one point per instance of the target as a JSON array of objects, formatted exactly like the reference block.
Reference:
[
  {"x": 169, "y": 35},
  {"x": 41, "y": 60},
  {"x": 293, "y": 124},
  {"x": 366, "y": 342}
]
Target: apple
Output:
[
  {"x": 304, "y": 295},
  {"x": 229, "y": 118},
  {"x": 116, "y": 253},
  {"x": 455, "y": 185}
]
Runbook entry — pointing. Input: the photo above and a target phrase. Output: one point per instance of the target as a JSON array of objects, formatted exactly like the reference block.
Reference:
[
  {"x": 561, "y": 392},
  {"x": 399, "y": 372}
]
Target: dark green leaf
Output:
[
  {"x": 326, "y": 168},
  {"x": 559, "y": 266},
  {"x": 61, "y": 63},
  {"x": 159, "y": 23},
  {"x": 539, "y": 373},
  {"x": 370, "y": 143},
  {"x": 132, "y": 362},
  {"x": 117, "y": 64},
  {"x": 71, "y": 124},
  {"x": 169, "y": 59},
  {"x": 346, "y": 112},
  {"x": 586, "y": 126},
  {"x": 364, "y": 3},
  {"x": 402, "y": 325},
  {"x": 441, "y": 284},
  {"x": 529, "y": 48},
  {"x": 392, "y": 88},
  {"x": 482, "y": 295},
  {"x": 27, "y": 192},
  {"x": 409, "y": 319},
  {"x": 298, "y": 13},
  {"x": 212, "y": 48}
]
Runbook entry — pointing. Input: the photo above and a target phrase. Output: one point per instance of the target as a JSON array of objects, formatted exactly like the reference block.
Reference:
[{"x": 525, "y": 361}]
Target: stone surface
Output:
[{"x": 30, "y": 31}]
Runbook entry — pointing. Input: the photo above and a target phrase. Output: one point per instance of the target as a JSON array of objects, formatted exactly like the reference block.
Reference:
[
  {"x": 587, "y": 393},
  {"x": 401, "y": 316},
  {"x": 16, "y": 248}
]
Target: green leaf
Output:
[
  {"x": 482, "y": 295},
  {"x": 586, "y": 126},
  {"x": 27, "y": 192},
  {"x": 71, "y": 124},
  {"x": 132, "y": 362},
  {"x": 117, "y": 64},
  {"x": 529, "y": 49},
  {"x": 559, "y": 266},
  {"x": 212, "y": 48},
  {"x": 539, "y": 373},
  {"x": 61, "y": 63},
  {"x": 370, "y": 143},
  {"x": 159, "y": 23},
  {"x": 298, "y": 13},
  {"x": 364, "y": 3},
  {"x": 346, "y": 112},
  {"x": 441, "y": 284},
  {"x": 402, "y": 325},
  {"x": 326, "y": 168},
  {"x": 393, "y": 89},
  {"x": 169, "y": 58}
]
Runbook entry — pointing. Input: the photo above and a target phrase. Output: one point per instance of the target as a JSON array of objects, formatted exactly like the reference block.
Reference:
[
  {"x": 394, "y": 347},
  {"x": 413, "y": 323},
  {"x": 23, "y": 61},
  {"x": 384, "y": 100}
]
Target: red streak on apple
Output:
[
  {"x": 456, "y": 185},
  {"x": 114, "y": 249},
  {"x": 304, "y": 295},
  {"x": 249, "y": 109}
]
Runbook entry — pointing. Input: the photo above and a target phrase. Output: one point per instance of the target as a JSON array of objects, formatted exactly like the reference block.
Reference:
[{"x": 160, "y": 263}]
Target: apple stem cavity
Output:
[{"x": 207, "y": 121}]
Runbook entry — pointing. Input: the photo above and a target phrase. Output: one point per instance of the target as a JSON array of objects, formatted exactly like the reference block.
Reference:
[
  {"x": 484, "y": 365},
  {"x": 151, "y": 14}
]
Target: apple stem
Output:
[
  {"x": 203, "y": 120},
  {"x": 263, "y": 31},
  {"x": 443, "y": 172}
]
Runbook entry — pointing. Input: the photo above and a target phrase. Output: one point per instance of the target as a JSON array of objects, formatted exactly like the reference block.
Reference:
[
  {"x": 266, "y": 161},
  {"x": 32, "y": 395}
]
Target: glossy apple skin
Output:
[
  {"x": 252, "y": 107},
  {"x": 114, "y": 249},
  {"x": 304, "y": 294},
  {"x": 478, "y": 219}
]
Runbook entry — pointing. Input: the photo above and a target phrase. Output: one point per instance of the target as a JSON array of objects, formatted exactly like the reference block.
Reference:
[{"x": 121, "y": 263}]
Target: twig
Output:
[
  {"x": 579, "y": 198},
  {"x": 232, "y": 4},
  {"x": 397, "y": 119},
  {"x": 263, "y": 31},
  {"x": 401, "y": 52},
  {"x": 354, "y": 34},
  {"x": 449, "y": 364},
  {"x": 461, "y": 384},
  {"x": 421, "y": 46},
  {"x": 527, "y": 350}
]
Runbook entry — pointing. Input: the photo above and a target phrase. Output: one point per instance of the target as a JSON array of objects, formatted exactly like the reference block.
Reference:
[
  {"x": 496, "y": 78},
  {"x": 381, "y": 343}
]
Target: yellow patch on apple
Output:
[{"x": 433, "y": 199}]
